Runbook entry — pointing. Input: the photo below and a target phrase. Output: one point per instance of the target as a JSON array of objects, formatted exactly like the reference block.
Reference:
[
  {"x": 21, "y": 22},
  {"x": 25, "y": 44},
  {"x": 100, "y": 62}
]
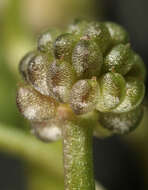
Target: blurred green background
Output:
[{"x": 25, "y": 162}]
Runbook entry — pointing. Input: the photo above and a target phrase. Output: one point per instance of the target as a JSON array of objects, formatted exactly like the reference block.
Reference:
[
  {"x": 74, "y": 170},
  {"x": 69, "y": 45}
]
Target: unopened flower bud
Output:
[
  {"x": 118, "y": 33},
  {"x": 87, "y": 58},
  {"x": 46, "y": 131},
  {"x": 112, "y": 91},
  {"x": 33, "y": 105},
  {"x": 84, "y": 96},
  {"x": 23, "y": 66},
  {"x": 135, "y": 91},
  {"x": 37, "y": 72},
  {"x": 61, "y": 77},
  {"x": 45, "y": 41},
  {"x": 121, "y": 123},
  {"x": 119, "y": 59}
]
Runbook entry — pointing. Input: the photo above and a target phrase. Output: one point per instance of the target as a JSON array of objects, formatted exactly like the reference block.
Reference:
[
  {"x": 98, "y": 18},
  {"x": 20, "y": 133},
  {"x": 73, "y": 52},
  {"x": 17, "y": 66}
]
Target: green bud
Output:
[
  {"x": 119, "y": 59},
  {"x": 121, "y": 123},
  {"x": 24, "y": 64},
  {"x": 61, "y": 77},
  {"x": 33, "y": 105},
  {"x": 46, "y": 131},
  {"x": 135, "y": 91},
  {"x": 112, "y": 91},
  {"x": 84, "y": 96},
  {"x": 45, "y": 40},
  {"x": 118, "y": 33},
  {"x": 63, "y": 46},
  {"x": 138, "y": 69},
  {"x": 37, "y": 72},
  {"x": 99, "y": 32},
  {"x": 78, "y": 27},
  {"x": 87, "y": 58}
]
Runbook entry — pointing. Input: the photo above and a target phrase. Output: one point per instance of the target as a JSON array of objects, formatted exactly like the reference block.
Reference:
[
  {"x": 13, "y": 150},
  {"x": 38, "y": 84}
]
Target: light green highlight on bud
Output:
[
  {"x": 99, "y": 32},
  {"x": 45, "y": 40},
  {"x": 118, "y": 33},
  {"x": 138, "y": 69},
  {"x": 135, "y": 91},
  {"x": 118, "y": 59},
  {"x": 63, "y": 46},
  {"x": 112, "y": 91}
]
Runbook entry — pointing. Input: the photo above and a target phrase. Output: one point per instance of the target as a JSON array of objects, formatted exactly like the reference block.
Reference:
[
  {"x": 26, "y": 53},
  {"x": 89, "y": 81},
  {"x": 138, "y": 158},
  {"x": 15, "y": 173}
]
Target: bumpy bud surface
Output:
[
  {"x": 121, "y": 123},
  {"x": 135, "y": 91},
  {"x": 118, "y": 33},
  {"x": 61, "y": 77},
  {"x": 83, "y": 96},
  {"x": 99, "y": 32},
  {"x": 35, "y": 106},
  {"x": 45, "y": 40},
  {"x": 78, "y": 27},
  {"x": 119, "y": 59},
  {"x": 63, "y": 46},
  {"x": 112, "y": 91},
  {"x": 37, "y": 72},
  {"x": 88, "y": 70},
  {"x": 23, "y": 66},
  {"x": 87, "y": 58}
]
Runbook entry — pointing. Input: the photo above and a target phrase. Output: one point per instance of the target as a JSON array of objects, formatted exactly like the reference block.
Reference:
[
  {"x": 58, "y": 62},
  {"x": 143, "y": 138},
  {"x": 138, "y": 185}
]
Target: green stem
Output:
[{"x": 78, "y": 162}]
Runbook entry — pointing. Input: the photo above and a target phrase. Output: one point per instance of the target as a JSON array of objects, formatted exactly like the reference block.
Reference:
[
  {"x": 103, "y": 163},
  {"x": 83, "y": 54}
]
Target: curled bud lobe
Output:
[
  {"x": 135, "y": 91},
  {"x": 119, "y": 59},
  {"x": 23, "y": 66}
]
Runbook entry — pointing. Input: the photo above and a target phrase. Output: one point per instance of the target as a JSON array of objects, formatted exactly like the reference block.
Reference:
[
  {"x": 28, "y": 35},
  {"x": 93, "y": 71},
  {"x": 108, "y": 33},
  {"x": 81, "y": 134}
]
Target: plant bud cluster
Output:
[{"x": 90, "y": 67}]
